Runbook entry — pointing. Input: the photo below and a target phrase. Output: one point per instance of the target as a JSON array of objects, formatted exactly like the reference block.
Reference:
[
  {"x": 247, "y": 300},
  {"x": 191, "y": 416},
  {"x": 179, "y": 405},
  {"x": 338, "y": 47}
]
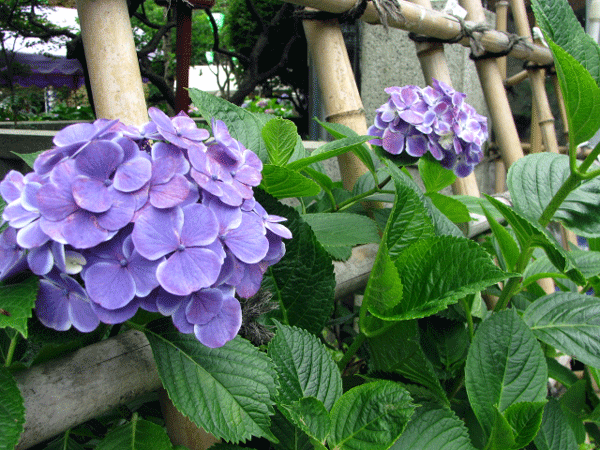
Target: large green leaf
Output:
[
  {"x": 505, "y": 365},
  {"x": 242, "y": 125},
  {"x": 525, "y": 420},
  {"x": 65, "y": 442},
  {"x": 384, "y": 287},
  {"x": 432, "y": 427},
  {"x": 453, "y": 209},
  {"x": 290, "y": 436},
  {"x": 280, "y": 137},
  {"x": 434, "y": 176},
  {"x": 282, "y": 182},
  {"x": 329, "y": 150},
  {"x": 12, "y": 410},
  {"x": 508, "y": 247},
  {"x": 370, "y": 416},
  {"x": 210, "y": 386},
  {"x": 555, "y": 432},
  {"x": 138, "y": 434},
  {"x": 533, "y": 181},
  {"x": 303, "y": 281},
  {"x": 398, "y": 350},
  {"x": 557, "y": 19},
  {"x": 568, "y": 321},
  {"x": 459, "y": 267},
  {"x": 29, "y": 158},
  {"x": 304, "y": 366},
  {"x": 16, "y": 303},
  {"x": 342, "y": 229},
  {"x": 310, "y": 416}
]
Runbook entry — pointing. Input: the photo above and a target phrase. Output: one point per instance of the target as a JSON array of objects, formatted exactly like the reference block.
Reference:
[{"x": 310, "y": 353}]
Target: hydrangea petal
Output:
[
  {"x": 91, "y": 194},
  {"x": 32, "y": 236},
  {"x": 171, "y": 193},
  {"x": 156, "y": 231},
  {"x": 248, "y": 242},
  {"x": 188, "y": 270},
  {"x": 99, "y": 159},
  {"x": 222, "y": 328},
  {"x": 132, "y": 175},
  {"x": 40, "y": 260},
  {"x": 204, "y": 305},
  {"x": 109, "y": 284},
  {"x": 200, "y": 226}
]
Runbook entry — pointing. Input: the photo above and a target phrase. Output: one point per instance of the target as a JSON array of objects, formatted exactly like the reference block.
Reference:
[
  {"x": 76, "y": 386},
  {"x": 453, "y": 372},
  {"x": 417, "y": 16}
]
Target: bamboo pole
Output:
[
  {"x": 435, "y": 66},
  {"x": 561, "y": 104},
  {"x": 112, "y": 61},
  {"x": 537, "y": 78},
  {"x": 535, "y": 131},
  {"x": 501, "y": 25},
  {"x": 495, "y": 95},
  {"x": 341, "y": 98},
  {"x": 436, "y": 24},
  {"x": 516, "y": 78}
]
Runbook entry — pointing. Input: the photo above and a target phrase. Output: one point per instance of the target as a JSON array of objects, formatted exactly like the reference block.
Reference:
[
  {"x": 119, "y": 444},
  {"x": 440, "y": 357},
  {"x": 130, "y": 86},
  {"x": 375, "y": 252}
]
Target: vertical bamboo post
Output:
[
  {"x": 118, "y": 94},
  {"x": 502, "y": 25},
  {"x": 535, "y": 131},
  {"x": 341, "y": 98},
  {"x": 537, "y": 78},
  {"x": 434, "y": 65},
  {"x": 495, "y": 95},
  {"x": 112, "y": 61}
]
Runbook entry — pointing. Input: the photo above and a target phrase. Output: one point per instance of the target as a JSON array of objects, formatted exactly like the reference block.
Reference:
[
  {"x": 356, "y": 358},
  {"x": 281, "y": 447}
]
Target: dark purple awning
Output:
[{"x": 42, "y": 71}]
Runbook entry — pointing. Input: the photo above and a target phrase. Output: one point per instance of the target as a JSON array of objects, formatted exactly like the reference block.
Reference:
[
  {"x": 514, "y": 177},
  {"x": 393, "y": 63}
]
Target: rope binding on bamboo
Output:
[{"x": 385, "y": 9}]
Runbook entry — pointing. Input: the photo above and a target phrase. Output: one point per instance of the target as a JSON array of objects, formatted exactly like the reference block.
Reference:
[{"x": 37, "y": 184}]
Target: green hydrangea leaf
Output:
[
  {"x": 451, "y": 208},
  {"x": 65, "y": 442},
  {"x": 303, "y": 281},
  {"x": 329, "y": 150},
  {"x": 342, "y": 229},
  {"x": 282, "y": 182},
  {"x": 280, "y": 136},
  {"x": 16, "y": 304},
  {"x": 432, "y": 427},
  {"x": 309, "y": 415},
  {"x": 304, "y": 366},
  {"x": 138, "y": 434},
  {"x": 370, "y": 416},
  {"x": 506, "y": 369},
  {"x": 12, "y": 410},
  {"x": 524, "y": 419},
  {"x": 29, "y": 158},
  {"x": 210, "y": 386},
  {"x": 569, "y": 322},
  {"x": 435, "y": 177},
  {"x": 555, "y": 432}
]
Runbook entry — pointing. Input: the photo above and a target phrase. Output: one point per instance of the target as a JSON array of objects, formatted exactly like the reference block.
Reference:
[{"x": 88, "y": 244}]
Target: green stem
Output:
[
  {"x": 360, "y": 339},
  {"x": 135, "y": 326},
  {"x": 560, "y": 196},
  {"x": 463, "y": 302},
  {"x": 11, "y": 350}
]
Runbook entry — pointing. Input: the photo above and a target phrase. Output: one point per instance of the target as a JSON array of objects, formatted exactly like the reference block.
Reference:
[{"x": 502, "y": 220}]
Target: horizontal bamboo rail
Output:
[{"x": 436, "y": 24}]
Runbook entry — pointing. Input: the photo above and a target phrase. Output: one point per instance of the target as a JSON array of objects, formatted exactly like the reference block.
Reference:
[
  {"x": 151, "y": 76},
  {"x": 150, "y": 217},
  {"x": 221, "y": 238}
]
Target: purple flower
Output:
[
  {"x": 180, "y": 130},
  {"x": 12, "y": 256},
  {"x": 62, "y": 303},
  {"x": 435, "y": 119},
  {"x": 184, "y": 236}
]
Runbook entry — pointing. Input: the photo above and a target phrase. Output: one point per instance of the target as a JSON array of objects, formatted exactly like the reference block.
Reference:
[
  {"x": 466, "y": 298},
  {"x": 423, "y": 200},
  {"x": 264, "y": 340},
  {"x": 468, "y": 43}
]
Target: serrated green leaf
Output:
[
  {"x": 445, "y": 342},
  {"x": 560, "y": 373},
  {"x": 17, "y": 301},
  {"x": 323, "y": 180},
  {"x": 370, "y": 416},
  {"x": 530, "y": 234},
  {"x": 329, "y": 150},
  {"x": 540, "y": 268},
  {"x": 342, "y": 229},
  {"x": 64, "y": 443},
  {"x": 503, "y": 370},
  {"x": 557, "y": 19},
  {"x": 384, "y": 287},
  {"x": 138, "y": 434},
  {"x": 398, "y": 350},
  {"x": 573, "y": 403},
  {"x": 581, "y": 94},
  {"x": 508, "y": 246},
  {"x": 309, "y": 414},
  {"x": 12, "y": 410},
  {"x": 304, "y": 366},
  {"x": 303, "y": 281},
  {"x": 432, "y": 427},
  {"x": 338, "y": 131},
  {"x": 339, "y": 253},
  {"x": 555, "y": 433},
  {"x": 525, "y": 419},
  {"x": 451, "y": 208},
  {"x": 501, "y": 435},
  {"x": 29, "y": 158},
  {"x": 282, "y": 182},
  {"x": 435, "y": 177},
  {"x": 280, "y": 136},
  {"x": 242, "y": 125},
  {"x": 459, "y": 267},
  {"x": 290, "y": 436},
  {"x": 210, "y": 386},
  {"x": 568, "y": 321}
]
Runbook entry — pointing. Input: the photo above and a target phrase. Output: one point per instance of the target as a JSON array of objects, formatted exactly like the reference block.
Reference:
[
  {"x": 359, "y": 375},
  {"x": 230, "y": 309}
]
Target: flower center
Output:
[
  {"x": 181, "y": 248},
  {"x": 123, "y": 262}
]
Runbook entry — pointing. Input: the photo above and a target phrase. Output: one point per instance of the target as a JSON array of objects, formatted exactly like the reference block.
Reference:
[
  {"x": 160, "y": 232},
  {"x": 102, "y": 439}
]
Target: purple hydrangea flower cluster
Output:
[
  {"x": 435, "y": 119},
  {"x": 161, "y": 217}
]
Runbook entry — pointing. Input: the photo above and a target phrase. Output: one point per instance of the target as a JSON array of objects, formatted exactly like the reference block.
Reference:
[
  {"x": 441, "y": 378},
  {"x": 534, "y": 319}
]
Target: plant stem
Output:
[
  {"x": 351, "y": 201},
  {"x": 560, "y": 196},
  {"x": 11, "y": 350},
  {"x": 360, "y": 338},
  {"x": 135, "y": 326},
  {"x": 463, "y": 302}
]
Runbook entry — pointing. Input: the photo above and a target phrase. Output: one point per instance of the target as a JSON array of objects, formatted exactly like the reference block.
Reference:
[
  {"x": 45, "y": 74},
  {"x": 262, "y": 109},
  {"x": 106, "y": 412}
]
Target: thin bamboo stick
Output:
[
  {"x": 435, "y": 66},
  {"x": 535, "y": 131},
  {"x": 501, "y": 25},
  {"x": 516, "y": 78},
  {"x": 341, "y": 98},
  {"x": 495, "y": 95},
  {"x": 436, "y": 24},
  {"x": 561, "y": 104},
  {"x": 537, "y": 78}
]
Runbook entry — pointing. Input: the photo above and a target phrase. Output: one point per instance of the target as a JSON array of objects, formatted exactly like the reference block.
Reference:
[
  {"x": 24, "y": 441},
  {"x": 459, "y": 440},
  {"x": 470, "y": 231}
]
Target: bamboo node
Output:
[
  {"x": 351, "y": 15},
  {"x": 353, "y": 112}
]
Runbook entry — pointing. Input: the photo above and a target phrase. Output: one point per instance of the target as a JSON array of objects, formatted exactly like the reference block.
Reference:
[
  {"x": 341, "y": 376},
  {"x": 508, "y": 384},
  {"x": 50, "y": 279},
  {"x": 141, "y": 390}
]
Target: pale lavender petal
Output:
[
  {"x": 55, "y": 203},
  {"x": 18, "y": 216},
  {"x": 393, "y": 142},
  {"x": 250, "y": 281},
  {"x": 32, "y": 236},
  {"x": 248, "y": 242},
  {"x": 200, "y": 226},
  {"x": 171, "y": 193},
  {"x": 99, "y": 159},
  {"x": 73, "y": 134},
  {"x": 156, "y": 232},
  {"x": 204, "y": 305},
  {"x": 132, "y": 175},
  {"x": 40, "y": 260},
  {"x": 114, "y": 316},
  {"x": 223, "y": 328},
  {"x": 120, "y": 213},
  {"x": 91, "y": 194},
  {"x": 167, "y": 303},
  {"x": 109, "y": 284},
  {"x": 161, "y": 119},
  {"x": 179, "y": 319},
  {"x": 11, "y": 186},
  {"x": 81, "y": 230},
  {"x": 143, "y": 272},
  {"x": 188, "y": 270}
]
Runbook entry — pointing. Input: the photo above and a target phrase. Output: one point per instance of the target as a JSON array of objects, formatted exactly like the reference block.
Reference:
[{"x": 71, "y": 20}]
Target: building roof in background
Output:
[{"x": 42, "y": 71}]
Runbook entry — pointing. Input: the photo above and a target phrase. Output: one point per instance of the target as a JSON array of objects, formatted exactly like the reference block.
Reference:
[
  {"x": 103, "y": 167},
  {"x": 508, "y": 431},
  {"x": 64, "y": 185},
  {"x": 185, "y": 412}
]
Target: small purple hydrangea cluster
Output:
[
  {"x": 162, "y": 217},
  {"x": 435, "y": 119}
]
